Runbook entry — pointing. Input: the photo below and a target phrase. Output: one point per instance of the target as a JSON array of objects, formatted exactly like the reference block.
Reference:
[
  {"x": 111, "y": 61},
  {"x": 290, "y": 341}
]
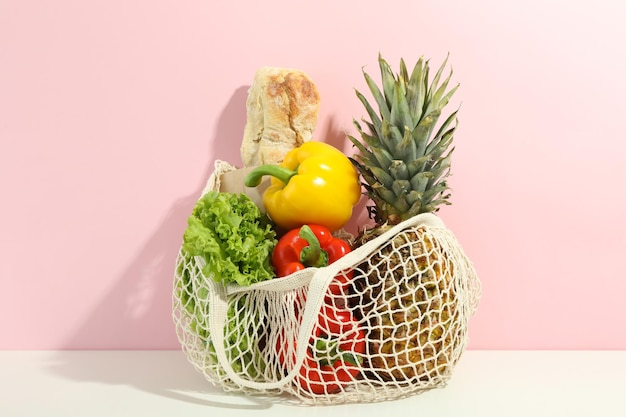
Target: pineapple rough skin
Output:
[{"x": 407, "y": 296}]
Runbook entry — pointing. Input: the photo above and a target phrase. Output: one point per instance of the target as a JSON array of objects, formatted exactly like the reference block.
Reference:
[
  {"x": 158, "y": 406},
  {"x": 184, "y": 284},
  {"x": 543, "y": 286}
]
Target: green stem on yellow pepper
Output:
[
  {"x": 283, "y": 174},
  {"x": 315, "y": 184}
]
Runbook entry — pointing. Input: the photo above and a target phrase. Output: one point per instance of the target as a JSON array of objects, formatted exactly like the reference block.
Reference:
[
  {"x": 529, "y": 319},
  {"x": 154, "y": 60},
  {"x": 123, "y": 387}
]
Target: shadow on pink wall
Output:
[{"x": 136, "y": 313}]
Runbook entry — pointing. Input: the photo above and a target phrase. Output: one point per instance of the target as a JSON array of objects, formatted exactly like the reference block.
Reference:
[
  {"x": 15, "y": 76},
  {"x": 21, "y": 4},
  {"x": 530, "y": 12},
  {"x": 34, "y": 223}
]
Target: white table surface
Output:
[{"x": 163, "y": 383}]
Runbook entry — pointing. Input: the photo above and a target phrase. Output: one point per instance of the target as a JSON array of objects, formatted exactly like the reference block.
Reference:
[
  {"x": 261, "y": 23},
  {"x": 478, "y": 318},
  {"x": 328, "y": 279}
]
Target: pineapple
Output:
[{"x": 406, "y": 292}]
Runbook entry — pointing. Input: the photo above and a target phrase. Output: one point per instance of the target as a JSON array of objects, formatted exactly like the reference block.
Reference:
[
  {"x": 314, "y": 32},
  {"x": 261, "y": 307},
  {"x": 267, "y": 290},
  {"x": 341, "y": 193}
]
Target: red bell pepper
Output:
[
  {"x": 311, "y": 246},
  {"x": 334, "y": 353},
  {"x": 338, "y": 342}
]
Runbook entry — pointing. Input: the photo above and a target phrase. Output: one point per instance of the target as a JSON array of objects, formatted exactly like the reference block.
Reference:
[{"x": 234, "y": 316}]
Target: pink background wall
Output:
[{"x": 112, "y": 113}]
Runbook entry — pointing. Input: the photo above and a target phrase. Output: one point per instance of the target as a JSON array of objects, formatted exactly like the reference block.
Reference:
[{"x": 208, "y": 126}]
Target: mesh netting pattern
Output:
[
  {"x": 388, "y": 320},
  {"x": 397, "y": 327}
]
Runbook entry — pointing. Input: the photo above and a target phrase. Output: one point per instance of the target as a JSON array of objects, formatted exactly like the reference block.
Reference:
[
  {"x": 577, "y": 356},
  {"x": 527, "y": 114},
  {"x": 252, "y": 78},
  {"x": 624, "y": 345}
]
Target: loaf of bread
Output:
[{"x": 282, "y": 109}]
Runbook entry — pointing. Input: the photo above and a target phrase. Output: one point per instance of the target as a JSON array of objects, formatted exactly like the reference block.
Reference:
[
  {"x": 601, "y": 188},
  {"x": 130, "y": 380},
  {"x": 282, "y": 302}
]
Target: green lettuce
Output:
[
  {"x": 233, "y": 236},
  {"x": 236, "y": 241}
]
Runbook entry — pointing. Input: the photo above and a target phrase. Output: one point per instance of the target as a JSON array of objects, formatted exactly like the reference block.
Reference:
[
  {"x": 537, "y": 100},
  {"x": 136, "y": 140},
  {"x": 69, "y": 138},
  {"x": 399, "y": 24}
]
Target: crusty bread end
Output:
[{"x": 282, "y": 109}]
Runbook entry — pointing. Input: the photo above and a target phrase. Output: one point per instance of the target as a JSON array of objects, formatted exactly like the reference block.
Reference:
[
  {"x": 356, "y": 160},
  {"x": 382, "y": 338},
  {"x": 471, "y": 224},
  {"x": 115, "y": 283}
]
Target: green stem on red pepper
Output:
[
  {"x": 312, "y": 255},
  {"x": 307, "y": 246},
  {"x": 329, "y": 352},
  {"x": 334, "y": 354}
]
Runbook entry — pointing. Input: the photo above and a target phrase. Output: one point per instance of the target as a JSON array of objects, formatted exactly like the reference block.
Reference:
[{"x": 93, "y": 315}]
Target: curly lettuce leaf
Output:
[{"x": 232, "y": 236}]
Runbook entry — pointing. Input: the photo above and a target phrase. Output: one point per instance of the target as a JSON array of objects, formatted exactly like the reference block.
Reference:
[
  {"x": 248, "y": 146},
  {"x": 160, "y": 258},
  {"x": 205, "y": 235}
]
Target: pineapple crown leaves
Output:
[{"x": 402, "y": 160}]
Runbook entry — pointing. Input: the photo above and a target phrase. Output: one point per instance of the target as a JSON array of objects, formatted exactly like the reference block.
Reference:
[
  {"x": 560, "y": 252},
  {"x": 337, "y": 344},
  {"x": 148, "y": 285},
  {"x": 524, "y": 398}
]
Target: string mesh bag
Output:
[{"x": 386, "y": 321}]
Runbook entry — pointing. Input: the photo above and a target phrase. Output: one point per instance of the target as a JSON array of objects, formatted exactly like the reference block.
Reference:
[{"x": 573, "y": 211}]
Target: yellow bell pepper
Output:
[{"x": 315, "y": 184}]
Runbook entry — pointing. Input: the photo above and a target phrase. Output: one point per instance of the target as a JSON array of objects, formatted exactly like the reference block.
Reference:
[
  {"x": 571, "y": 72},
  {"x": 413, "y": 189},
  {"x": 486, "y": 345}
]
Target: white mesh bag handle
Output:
[
  {"x": 318, "y": 280},
  {"x": 214, "y": 181}
]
